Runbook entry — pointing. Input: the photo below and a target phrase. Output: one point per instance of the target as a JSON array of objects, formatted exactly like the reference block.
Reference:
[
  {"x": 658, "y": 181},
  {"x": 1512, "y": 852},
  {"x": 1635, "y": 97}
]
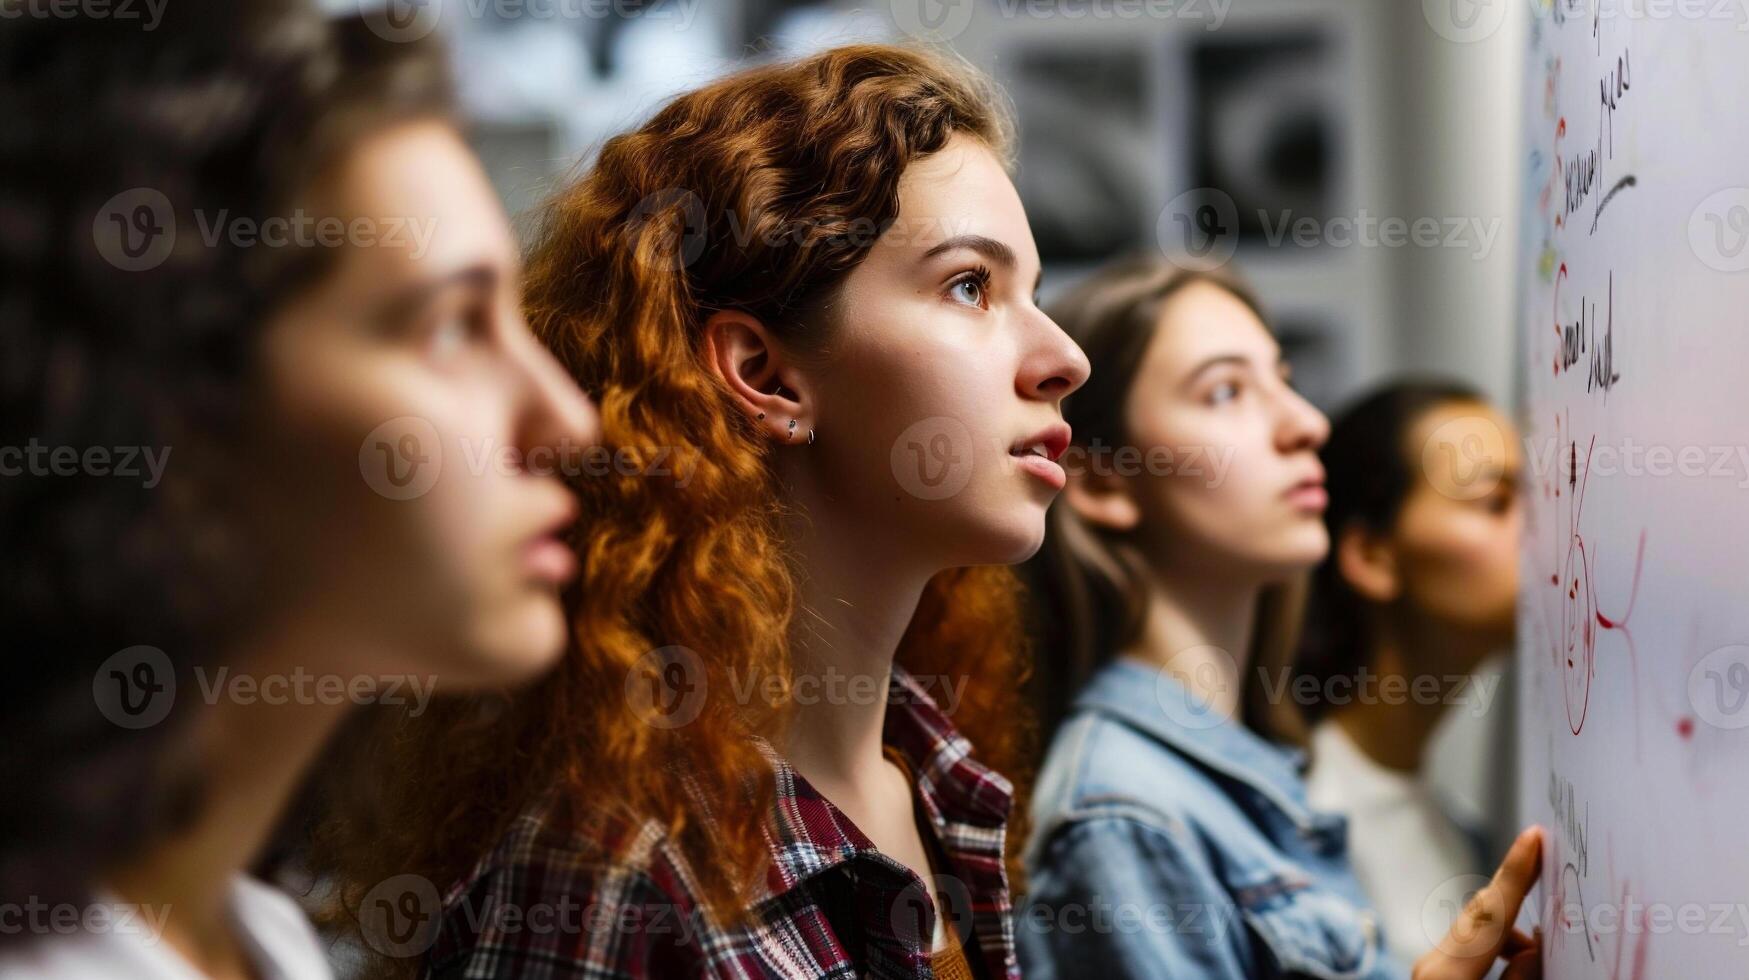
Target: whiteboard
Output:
[{"x": 1634, "y": 372}]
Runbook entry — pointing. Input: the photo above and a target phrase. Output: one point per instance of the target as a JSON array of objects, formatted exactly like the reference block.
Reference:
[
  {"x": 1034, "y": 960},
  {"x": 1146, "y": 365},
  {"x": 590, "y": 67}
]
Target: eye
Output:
[
  {"x": 971, "y": 288},
  {"x": 1223, "y": 392},
  {"x": 447, "y": 338},
  {"x": 453, "y": 330}
]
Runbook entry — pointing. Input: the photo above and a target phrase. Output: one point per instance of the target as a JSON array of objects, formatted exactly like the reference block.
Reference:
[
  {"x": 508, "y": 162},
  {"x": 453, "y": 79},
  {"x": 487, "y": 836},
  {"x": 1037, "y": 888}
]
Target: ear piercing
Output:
[{"x": 791, "y": 434}]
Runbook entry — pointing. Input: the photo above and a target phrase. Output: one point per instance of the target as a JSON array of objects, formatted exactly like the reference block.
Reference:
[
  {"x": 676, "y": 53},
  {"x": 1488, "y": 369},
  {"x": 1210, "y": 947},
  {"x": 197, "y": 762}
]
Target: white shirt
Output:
[
  {"x": 110, "y": 939},
  {"x": 1412, "y": 859}
]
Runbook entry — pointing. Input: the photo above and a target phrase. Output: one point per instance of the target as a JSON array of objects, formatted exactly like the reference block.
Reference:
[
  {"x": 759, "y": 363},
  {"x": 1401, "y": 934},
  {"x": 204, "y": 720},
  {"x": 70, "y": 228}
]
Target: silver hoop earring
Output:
[{"x": 810, "y": 437}]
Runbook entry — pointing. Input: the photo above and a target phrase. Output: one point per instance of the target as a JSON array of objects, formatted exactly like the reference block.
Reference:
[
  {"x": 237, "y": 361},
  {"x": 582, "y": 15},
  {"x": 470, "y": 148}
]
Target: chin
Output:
[
  {"x": 523, "y": 646},
  {"x": 983, "y": 541},
  {"x": 1311, "y": 546},
  {"x": 1294, "y": 558}
]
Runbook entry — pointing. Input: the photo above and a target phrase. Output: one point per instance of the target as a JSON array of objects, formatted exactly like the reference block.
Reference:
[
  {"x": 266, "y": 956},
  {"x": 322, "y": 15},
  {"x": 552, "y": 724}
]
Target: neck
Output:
[
  {"x": 1394, "y": 731},
  {"x": 1199, "y": 630},
  {"x": 855, "y": 599},
  {"x": 253, "y": 757}
]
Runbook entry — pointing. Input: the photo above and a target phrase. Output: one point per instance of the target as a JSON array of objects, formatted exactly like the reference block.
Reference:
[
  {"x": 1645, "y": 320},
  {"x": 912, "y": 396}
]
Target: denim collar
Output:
[{"x": 1155, "y": 703}]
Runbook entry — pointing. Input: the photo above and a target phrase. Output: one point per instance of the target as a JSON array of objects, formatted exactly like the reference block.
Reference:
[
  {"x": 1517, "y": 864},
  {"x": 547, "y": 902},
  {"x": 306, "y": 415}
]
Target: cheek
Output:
[
  {"x": 412, "y": 496},
  {"x": 1208, "y": 476},
  {"x": 1469, "y": 569},
  {"x": 928, "y": 405},
  {"x": 467, "y": 518}
]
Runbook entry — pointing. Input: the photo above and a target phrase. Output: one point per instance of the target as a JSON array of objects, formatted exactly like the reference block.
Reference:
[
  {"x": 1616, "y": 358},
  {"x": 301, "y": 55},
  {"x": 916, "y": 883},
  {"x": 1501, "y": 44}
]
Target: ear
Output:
[
  {"x": 1102, "y": 499},
  {"x": 1368, "y": 562},
  {"x": 749, "y": 361}
]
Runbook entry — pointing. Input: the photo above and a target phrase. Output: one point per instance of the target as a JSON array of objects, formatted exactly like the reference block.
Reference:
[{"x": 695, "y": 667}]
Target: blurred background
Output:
[{"x": 1357, "y": 159}]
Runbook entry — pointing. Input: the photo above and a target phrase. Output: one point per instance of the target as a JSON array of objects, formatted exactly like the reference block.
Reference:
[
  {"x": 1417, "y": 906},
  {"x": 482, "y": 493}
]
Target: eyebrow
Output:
[
  {"x": 480, "y": 276},
  {"x": 1221, "y": 359},
  {"x": 990, "y": 248}
]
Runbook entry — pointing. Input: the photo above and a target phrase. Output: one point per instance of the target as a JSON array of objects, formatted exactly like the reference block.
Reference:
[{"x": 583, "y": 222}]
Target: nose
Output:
[
  {"x": 1053, "y": 365},
  {"x": 1299, "y": 424},
  {"x": 556, "y": 413}
]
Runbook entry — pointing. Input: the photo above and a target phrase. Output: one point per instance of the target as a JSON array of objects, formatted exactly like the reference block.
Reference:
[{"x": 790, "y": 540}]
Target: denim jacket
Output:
[{"x": 1171, "y": 842}]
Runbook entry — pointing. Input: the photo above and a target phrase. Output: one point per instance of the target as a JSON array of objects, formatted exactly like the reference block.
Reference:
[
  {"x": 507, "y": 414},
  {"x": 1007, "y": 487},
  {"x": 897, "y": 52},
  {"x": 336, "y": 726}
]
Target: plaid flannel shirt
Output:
[{"x": 831, "y": 904}]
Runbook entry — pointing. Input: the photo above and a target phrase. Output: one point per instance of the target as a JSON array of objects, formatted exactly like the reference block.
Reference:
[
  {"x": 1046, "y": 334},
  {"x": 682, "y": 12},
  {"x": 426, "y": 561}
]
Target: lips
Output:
[
  {"x": 550, "y": 559},
  {"x": 547, "y": 555},
  {"x": 1039, "y": 452},
  {"x": 1309, "y": 493},
  {"x": 1050, "y": 443}
]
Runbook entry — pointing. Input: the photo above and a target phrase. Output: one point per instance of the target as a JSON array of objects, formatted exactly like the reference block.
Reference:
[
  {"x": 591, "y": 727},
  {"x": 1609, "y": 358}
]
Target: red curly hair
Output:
[{"x": 755, "y": 193}]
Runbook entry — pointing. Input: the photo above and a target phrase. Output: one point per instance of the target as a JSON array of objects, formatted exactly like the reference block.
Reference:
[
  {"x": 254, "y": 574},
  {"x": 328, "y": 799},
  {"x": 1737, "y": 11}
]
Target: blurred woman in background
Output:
[
  {"x": 248, "y": 250},
  {"x": 1172, "y": 834},
  {"x": 1420, "y": 587},
  {"x": 805, "y": 296}
]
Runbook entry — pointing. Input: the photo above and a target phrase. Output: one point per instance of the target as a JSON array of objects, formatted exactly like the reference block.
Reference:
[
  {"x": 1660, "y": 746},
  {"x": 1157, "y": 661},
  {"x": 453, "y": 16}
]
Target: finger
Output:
[
  {"x": 1481, "y": 930},
  {"x": 1519, "y": 871}
]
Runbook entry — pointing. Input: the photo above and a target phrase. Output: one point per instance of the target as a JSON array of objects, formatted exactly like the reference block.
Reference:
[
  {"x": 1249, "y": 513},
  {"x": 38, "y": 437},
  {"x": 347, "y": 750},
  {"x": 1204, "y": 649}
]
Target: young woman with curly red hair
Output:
[{"x": 804, "y": 297}]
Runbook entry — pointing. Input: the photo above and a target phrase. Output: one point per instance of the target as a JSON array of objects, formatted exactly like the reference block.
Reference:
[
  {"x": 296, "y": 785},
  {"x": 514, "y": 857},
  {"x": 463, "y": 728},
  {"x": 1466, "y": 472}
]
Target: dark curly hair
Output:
[
  {"x": 1370, "y": 473},
  {"x": 115, "y": 345}
]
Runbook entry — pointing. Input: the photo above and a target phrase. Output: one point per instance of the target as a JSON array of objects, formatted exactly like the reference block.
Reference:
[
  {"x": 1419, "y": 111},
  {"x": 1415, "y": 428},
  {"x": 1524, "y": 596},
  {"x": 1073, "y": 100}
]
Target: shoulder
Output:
[
  {"x": 615, "y": 900},
  {"x": 112, "y": 938},
  {"x": 1101, "y": 767},
  {"x": 279, "y": 929}
]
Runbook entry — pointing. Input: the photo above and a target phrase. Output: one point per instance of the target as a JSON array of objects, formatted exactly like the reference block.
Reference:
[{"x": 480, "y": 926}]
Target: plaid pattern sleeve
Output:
[{"x": 832, "y": 905}]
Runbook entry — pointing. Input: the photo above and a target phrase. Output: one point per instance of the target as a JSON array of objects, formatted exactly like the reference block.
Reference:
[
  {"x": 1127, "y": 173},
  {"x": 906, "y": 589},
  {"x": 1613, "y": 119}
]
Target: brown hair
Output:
[
  {"x": 760, "y": 192},
  {"x": 1092, "y": 582}
]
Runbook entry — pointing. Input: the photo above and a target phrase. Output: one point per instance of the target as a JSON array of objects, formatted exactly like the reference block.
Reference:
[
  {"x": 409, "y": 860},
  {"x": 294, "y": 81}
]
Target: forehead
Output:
[
  {"x": 962, "y": 189},
  {"x": 1470, "y": 427},
  {"x": 1204, "y": 320},
  {"x": 414, "y": 193},
  {"x": 1463, "y": 435}
]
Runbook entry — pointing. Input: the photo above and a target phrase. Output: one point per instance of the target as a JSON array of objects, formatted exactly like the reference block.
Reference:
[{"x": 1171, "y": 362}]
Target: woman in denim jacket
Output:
[{"x": 1171, "y": 834}]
